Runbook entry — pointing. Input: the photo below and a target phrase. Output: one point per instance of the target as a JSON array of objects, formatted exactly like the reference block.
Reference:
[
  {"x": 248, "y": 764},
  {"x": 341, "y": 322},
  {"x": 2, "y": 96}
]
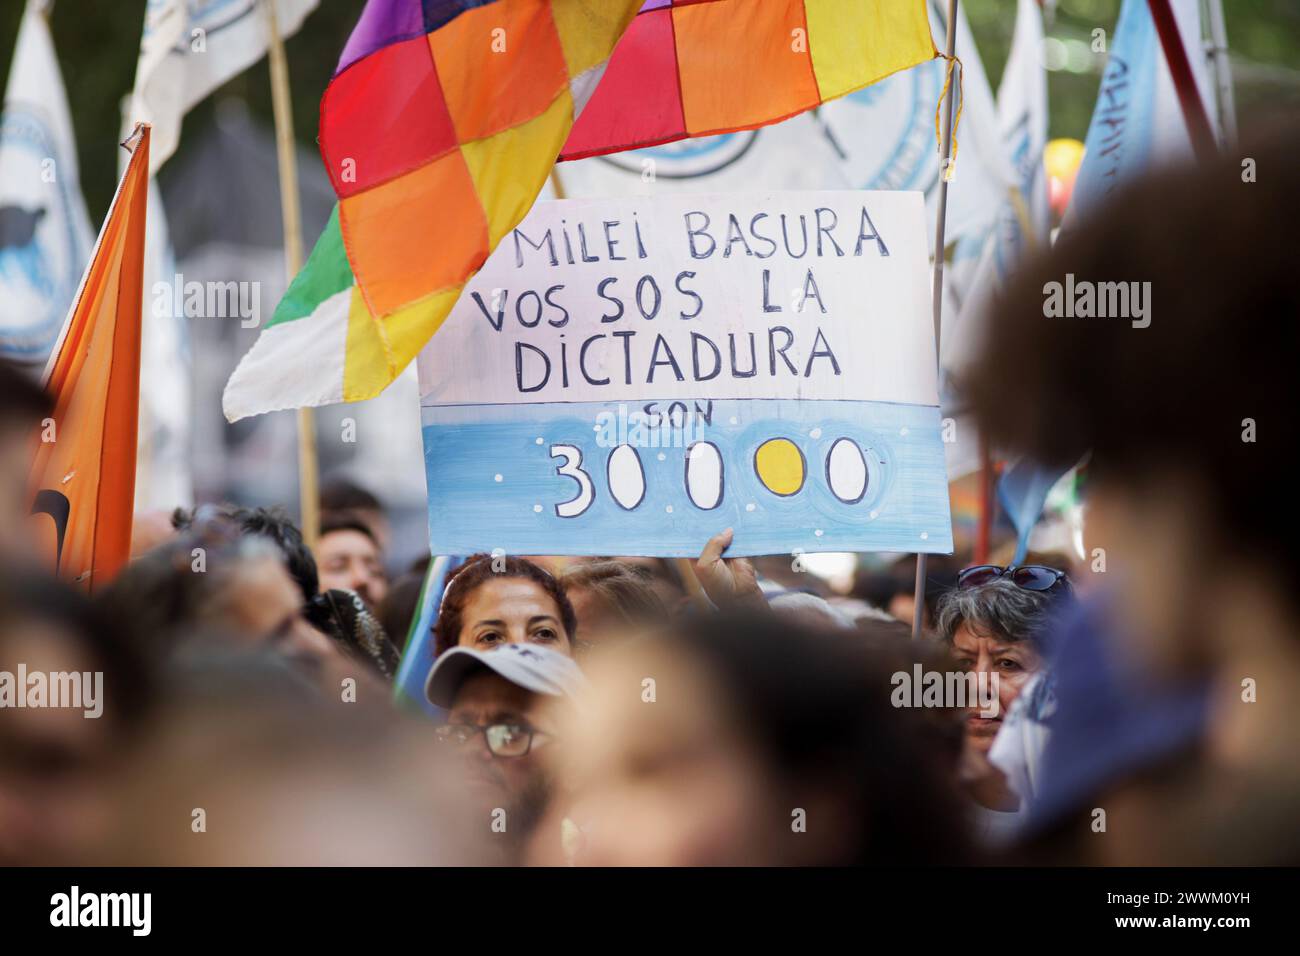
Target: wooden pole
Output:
[
  {"x": 945, "y": 157},
  {"x": 1189, "y": 97},
  {"x": 291, "y": 216}
]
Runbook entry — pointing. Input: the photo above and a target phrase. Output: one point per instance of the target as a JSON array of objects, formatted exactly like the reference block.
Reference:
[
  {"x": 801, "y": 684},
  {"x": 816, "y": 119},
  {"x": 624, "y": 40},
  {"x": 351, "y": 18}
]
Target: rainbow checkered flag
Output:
[{"x": 445, "y": 117}]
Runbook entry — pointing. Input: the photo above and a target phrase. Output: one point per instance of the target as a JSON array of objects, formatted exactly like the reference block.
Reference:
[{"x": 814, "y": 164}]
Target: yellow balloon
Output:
[
  {"x": 1062, "y": 157},
  {"x": 780, "y": 466}
]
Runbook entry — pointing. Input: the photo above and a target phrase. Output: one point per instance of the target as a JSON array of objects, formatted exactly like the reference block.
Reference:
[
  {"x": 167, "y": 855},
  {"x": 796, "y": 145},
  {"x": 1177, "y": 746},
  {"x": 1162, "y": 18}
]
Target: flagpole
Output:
[
  {"x": 940, "y": 219},
  {"x": 557, "y": 185},
  {"x": 1189, "y": 97},
  {"x": 985, "y": 532},
  {"x": 1222, "y": 66},
  {"x": 291, "y": 216}
]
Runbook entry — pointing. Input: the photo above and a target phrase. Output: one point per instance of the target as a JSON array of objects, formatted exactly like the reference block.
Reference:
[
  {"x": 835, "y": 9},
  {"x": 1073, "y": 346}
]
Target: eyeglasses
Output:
[
  {"x": 503, "y": 740},
  {"x": 1031, "y": 577}
]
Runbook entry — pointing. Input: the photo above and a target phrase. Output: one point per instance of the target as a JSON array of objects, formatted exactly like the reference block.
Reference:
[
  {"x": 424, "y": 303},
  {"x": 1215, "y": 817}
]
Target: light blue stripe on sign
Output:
[{"x": 583, "y": 478}]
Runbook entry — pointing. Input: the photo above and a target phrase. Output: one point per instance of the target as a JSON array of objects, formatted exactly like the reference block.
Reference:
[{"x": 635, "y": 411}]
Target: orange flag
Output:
[{"x": 84, "y": 473}]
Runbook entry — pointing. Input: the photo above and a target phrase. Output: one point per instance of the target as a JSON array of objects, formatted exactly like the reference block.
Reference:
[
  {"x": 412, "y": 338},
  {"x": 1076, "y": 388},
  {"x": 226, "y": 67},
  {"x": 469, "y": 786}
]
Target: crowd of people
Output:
[{"x": 613, "y": 710}]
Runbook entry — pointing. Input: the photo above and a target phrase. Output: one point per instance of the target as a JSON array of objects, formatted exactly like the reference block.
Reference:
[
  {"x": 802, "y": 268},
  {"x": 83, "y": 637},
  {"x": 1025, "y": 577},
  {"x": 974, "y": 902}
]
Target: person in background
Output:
[
  {"x": 501, "y": 717},
  {"x": 348, "y": 557},
  {"x": 811, "y": 610},
  {"x": 398, "y": 608},
  {"x": 216, "y": 583},
  {"x": 150, "y": 529},
  {"x": 992, "y": 623},
  {"x": 53, "y": 760},
  {"x": 611, "y": 600},
  {"x": 344, "y": 617},
  {"x": 341, "y": 498},
  {"x": 746, "y": 740},
  {"x": 663, "y": 573},
  {"x": 1186, "y": 409},
  {"x": 269, "y": 523},
  {"x": 494, "y": 600},
  {"x": 23, "y": 406}
]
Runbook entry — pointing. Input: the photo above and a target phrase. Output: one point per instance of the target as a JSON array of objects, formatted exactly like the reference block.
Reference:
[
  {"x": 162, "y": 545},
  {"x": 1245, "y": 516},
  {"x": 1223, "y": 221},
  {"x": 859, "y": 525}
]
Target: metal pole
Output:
[
  {"x": 945, "y": 158},
  {"x": 1217, "y": 50}
]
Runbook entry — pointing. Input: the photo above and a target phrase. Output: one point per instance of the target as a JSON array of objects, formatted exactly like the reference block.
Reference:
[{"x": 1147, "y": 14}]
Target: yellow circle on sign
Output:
[{"x": 780, "y": 466}]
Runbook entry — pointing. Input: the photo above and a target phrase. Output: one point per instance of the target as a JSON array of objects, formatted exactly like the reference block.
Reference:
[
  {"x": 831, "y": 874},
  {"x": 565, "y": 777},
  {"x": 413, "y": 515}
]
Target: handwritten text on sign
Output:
[{"x": 630, "y": 376}]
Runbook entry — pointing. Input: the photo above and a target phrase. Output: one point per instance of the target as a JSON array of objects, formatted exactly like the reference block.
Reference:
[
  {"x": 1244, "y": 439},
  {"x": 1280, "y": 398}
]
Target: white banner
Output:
[
  {"x": 189, "y": 48},
  {"x": 45, "y": 235}
]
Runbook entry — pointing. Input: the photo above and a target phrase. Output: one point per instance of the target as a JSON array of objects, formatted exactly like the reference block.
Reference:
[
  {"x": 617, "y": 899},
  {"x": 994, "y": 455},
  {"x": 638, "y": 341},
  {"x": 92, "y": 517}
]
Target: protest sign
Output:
[{"x": 632, "y": 376}]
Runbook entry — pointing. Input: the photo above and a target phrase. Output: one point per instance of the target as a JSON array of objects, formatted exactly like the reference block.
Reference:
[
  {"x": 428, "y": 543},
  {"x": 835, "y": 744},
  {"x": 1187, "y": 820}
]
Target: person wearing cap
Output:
[{"x": 501, "y": 717}]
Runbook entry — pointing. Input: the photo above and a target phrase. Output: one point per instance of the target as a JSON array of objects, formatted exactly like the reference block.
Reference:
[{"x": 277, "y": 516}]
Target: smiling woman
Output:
[{"x": 497, "y": 599}]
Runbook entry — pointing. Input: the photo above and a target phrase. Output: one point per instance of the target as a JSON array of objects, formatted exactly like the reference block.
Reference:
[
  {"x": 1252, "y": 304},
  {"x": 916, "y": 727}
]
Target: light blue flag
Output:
[
  {"x": 1137, "y": 122},
  {"x": 1023, "y": 493},
  {"x": 417, "y": 658}
]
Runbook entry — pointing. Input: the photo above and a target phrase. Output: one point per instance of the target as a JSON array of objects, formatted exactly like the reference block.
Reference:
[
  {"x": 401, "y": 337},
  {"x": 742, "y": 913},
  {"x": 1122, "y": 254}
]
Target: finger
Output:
[
  {"x": 743, "y": 569},
  {"x": 716, "y": 545}
]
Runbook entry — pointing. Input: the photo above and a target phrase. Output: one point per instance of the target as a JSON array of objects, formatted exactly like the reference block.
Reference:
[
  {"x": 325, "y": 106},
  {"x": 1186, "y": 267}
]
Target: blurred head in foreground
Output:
[
  {"x": 502, "y": 709},
  {"x": 84, "y": 690},
  {"x": 747, "y": 740},
  {"x": 493, "y": 600},
  {"x": 1187, "y": 414},
  {"x": 248, "y": 766}
]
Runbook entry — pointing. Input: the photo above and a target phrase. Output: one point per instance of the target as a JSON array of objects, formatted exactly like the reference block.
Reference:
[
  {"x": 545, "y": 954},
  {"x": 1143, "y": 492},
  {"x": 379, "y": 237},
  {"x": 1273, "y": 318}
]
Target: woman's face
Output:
[
  {"x": 660, "y": 775},
  {"x": 505, "y": 610},
  {"x": 1013, "y": 663}
]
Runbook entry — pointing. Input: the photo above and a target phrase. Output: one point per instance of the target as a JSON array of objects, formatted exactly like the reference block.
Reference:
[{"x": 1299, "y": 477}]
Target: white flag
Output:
[
  {"x": 45, "y": 234},
  {"x": 163, "y": 477},
  {"x": 885, "y": 134},
  {"x": 982, "y": 261},
  {"x": 189, "y": 48},
  {"x": 1022, "y": 116}
]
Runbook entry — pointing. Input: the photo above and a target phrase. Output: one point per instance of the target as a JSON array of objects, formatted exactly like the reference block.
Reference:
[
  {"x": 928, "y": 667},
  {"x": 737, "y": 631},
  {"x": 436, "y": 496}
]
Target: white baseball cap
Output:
[{"x": 530, "y": 666}]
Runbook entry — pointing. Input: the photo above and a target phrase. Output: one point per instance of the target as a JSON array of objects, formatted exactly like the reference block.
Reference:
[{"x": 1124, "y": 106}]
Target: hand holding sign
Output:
[{"x": 728, "y": 582}]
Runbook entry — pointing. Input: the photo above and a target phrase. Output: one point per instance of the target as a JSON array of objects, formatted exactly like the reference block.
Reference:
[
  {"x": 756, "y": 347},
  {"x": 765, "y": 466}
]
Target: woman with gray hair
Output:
[{"x": 992, "y": 623}]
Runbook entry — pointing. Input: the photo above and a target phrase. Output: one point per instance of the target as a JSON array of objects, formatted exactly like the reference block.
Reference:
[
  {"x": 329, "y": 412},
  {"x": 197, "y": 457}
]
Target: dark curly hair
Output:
[
  {"x": 271, "y": 523},
  {"x": 476, "y": 570}
]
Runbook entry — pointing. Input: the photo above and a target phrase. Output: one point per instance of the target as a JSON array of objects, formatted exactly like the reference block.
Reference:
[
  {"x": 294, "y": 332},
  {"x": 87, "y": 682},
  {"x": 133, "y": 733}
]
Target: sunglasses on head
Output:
[{"x": 1031, "y": 577}]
